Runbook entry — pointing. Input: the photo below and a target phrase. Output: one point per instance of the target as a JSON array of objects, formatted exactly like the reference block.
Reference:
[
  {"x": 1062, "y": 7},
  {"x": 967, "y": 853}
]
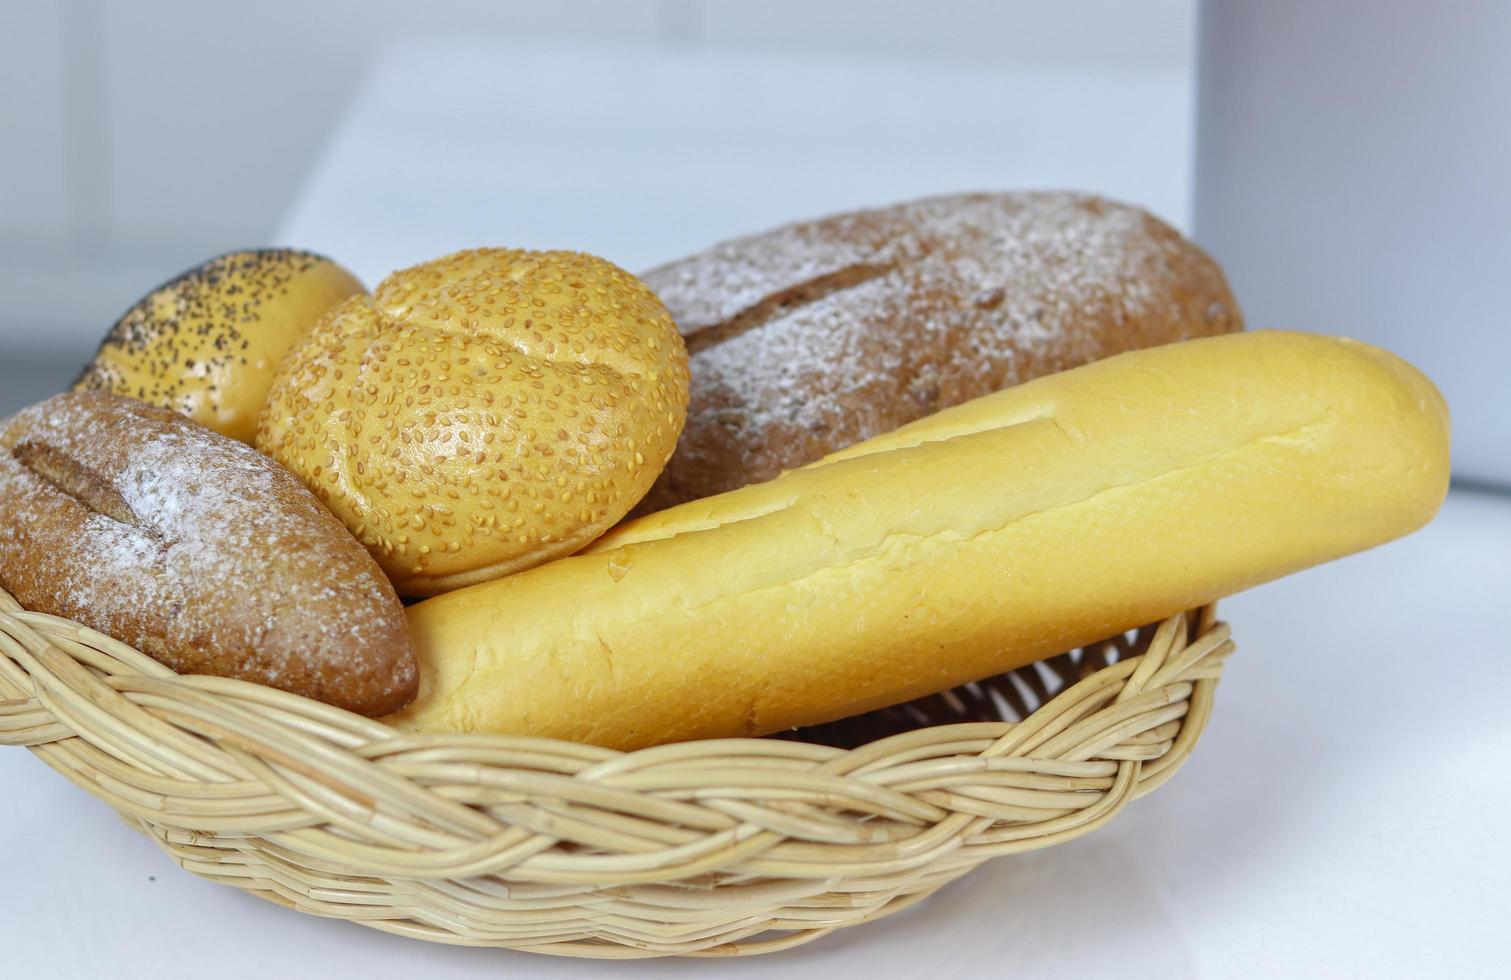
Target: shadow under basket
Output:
[{"x": 710, "y": 848}]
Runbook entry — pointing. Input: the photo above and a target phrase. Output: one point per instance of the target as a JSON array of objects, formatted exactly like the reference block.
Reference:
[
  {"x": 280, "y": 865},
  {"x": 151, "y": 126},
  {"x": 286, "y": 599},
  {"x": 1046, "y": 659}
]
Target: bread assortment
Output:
[
  {"x": 207, "y": 343},
  {"x": 195, "y": 549},
  {"x": 817, "y": 335},
  {"x": 1002, "y": 531},
  {"x": 878, "y": 455},
  {"x": 482, "y": 413}
]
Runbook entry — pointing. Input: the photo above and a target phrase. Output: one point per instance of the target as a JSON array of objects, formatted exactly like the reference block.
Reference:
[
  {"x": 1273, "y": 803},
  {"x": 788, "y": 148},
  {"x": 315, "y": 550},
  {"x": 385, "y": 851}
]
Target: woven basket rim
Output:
[{"x": 714, "y": 847}]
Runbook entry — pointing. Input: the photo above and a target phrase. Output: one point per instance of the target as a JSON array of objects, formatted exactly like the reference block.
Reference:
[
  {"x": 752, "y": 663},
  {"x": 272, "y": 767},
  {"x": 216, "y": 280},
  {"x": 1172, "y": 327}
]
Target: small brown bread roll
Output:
[
  {"x": 815, "y": 336},
  {"x": 196, "y": 550},
  {"x": 207, "y": 343}
]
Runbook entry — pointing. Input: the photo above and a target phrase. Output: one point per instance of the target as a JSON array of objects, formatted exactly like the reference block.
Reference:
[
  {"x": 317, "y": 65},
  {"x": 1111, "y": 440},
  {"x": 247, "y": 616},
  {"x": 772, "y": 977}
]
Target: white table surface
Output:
[{"x": 1345, "y": 815}]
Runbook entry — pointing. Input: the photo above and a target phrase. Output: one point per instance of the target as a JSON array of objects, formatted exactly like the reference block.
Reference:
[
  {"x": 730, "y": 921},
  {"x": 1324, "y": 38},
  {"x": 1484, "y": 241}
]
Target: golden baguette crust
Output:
[
  {"x": 989, "y": 535},
  {"x": 196, "y": 550},
  {"x": 814, "y": 336}
]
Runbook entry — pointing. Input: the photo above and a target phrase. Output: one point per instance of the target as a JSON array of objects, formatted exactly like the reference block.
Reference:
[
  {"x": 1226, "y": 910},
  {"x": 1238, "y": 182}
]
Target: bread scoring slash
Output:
[
  {"x": 817, "y": 335},
  {"x": 195, "y": 549}
]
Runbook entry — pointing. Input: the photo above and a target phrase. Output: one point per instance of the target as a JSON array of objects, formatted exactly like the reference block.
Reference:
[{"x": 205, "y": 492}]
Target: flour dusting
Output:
[
  {"x": 229, "y": 565},
  {"x": 978, "y": 292}
]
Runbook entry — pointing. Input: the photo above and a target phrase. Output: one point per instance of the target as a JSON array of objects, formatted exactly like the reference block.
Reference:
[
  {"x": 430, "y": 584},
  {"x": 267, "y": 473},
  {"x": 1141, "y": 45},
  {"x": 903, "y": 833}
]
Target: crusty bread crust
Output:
[
  {"x": 195, "y": 549},
  {"x": 992, "y": 534},
  {"x": 483, "y": 412},
  {"x": 815, "y": 336},
  {"x": 207, "y": 342}
]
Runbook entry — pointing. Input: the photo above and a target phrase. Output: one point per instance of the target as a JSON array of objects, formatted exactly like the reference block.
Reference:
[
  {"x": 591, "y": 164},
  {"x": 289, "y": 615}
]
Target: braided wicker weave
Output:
[{"x": 703, "y": 848}]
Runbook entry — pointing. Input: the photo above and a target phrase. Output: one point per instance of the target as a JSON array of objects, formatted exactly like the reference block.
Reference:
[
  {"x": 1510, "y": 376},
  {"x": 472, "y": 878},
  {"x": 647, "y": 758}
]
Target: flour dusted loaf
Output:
[
  {"x": 812, "y": 337},
  {"x": 1021, "y": 524},
  {"x": 208, "y": 342},
  {"x": 196, "y": 550},
  {"x": 484, "y": 412}
]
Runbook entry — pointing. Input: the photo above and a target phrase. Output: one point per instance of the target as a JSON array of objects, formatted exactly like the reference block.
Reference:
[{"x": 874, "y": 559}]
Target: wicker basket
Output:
[{"x": 710, "y": 848}]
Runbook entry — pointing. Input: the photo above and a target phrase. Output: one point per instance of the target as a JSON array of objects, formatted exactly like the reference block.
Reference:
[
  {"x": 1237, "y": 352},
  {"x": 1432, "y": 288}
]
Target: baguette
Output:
[{"x": 987, "y": 536}]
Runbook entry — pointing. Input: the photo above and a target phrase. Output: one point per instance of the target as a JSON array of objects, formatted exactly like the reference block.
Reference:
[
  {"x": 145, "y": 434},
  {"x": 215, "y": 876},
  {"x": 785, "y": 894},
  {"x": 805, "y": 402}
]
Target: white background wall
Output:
[
  {"x": 1353, "y": 158},
  {"x": 137, "y": 137}
]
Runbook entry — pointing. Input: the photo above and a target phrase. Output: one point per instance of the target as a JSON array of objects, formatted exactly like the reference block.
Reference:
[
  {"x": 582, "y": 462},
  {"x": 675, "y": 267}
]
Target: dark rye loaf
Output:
[{"x": 195, "y": 549}]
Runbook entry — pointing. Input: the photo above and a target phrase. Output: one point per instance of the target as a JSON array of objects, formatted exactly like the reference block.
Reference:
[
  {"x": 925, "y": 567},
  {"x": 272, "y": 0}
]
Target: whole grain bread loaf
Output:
[
  {"x": 817, "y": 335},
  {"x": 195, "y": 549}
]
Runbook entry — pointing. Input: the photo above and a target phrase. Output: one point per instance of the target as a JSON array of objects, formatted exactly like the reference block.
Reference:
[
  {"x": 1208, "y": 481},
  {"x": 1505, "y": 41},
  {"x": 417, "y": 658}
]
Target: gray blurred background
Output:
[
  {"x": 1345, "y": 161},
  {"x": 143, "y": 137}
]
